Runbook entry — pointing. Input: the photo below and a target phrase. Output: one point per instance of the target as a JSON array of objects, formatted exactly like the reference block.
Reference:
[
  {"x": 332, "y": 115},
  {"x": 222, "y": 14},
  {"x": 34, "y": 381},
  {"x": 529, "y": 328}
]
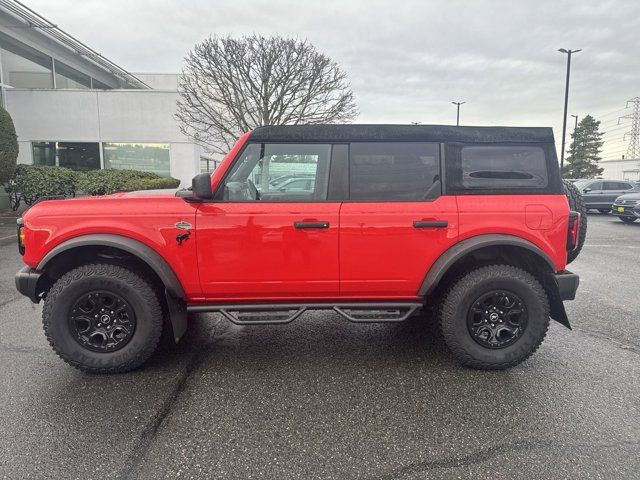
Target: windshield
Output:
[{"x": 580, "y": 184}]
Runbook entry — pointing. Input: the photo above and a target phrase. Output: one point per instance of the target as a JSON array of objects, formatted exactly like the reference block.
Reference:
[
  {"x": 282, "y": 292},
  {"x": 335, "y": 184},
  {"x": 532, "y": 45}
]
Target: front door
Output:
[
  {"x": 396, "y": 223},
  {"x": 271, "y": 234}
]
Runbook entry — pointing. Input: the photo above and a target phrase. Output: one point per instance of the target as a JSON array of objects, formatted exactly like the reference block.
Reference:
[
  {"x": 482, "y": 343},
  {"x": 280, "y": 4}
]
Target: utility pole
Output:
[
  {"x": 575, "y": 129},
  {"x": 458, "y": 112},
  {"x": 633, "y": 151},
  {"x": 566, "y": 102}
]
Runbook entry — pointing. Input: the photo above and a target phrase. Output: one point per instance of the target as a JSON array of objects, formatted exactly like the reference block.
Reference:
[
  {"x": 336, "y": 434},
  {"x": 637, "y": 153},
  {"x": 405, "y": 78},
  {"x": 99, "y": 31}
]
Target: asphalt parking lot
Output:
[{"x": 322, "y": 398}]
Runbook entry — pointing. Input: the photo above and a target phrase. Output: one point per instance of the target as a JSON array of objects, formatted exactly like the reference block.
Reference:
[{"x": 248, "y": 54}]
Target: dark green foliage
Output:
[
  {"x": 8, "y": 146},
  {"x": 584, "y": 151},
  {"x": 31, "y": 182},
  {"x": 105, "y": 182}
]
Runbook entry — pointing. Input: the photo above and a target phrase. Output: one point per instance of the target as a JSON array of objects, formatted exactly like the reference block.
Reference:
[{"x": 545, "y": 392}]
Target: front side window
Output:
[
  {"x": 148, "y": 157},
  {"x": 407, "y": 171},
  {"x": 74, "y": 155},
  {"x": 279, "y": 172},
  {"x": 503, "y": 167}
]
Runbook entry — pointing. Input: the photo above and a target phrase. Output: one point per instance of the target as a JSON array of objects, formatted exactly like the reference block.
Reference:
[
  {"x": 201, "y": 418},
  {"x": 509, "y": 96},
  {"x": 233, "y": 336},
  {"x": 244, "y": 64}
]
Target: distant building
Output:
[
  {"x": 622, "y": 169},
  {"x": 74, "y": 108}
]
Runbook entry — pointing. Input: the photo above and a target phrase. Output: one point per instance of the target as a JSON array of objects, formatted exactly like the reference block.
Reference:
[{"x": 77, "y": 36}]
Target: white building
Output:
[
  {"x": 622, "y": 169},
  {"x": 74, "y": 108}
]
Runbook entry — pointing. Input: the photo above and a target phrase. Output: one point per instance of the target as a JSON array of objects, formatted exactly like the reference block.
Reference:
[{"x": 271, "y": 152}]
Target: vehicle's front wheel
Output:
[
  {"x": 494, "y": 317},
  {"x": 102, "y": 318},
  {"x": 628, "y": 219}
]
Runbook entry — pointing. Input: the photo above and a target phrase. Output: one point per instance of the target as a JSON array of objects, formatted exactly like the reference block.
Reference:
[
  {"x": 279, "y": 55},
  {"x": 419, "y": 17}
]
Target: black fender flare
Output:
[
  {"x": 174, "y": 291},
  {"x": 459, "y": 250}
]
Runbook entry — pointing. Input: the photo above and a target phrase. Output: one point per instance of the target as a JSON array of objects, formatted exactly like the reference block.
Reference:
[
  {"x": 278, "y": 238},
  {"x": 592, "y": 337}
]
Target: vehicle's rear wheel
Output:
[
  {"x": 494, "y": 317},
  {"x": 576, "y": 204},
  {"x": 102, "y": 318},
  {"x": 628, "y": 219},
  {"x": 604, "y": 210}
]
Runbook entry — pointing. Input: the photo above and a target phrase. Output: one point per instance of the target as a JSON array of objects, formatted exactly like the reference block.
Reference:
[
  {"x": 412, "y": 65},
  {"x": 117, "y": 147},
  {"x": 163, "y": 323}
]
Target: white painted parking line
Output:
[
  {"x": 611, "y": 246},
  {"x": 6, "y": 238}
]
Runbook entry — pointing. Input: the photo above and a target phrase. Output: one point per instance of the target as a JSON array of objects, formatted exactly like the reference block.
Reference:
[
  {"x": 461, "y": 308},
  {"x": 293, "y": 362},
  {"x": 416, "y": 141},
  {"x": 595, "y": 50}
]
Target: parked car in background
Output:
[
  {"x": 599, "y": 194},
  {"x": 627, "y": 207}
]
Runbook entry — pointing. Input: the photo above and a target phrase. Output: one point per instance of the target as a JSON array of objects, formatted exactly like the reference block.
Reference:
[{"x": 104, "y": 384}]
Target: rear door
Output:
[
  {"x": 613, "y": 189},
  {"x": 396, "y": 222}
]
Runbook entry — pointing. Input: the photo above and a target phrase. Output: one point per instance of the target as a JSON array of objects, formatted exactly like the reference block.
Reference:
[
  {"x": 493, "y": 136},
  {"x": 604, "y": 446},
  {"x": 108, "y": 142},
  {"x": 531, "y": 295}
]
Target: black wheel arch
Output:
[
  {"x": 489, "y": 249},
  {"x": 78, "y": 249}
]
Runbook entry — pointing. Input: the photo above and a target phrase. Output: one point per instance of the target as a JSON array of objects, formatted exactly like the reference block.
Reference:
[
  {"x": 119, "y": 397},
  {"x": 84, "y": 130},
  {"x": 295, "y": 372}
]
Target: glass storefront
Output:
[
  {"x": 149, "y": 157},
  {"x": 74, "y": 155}
]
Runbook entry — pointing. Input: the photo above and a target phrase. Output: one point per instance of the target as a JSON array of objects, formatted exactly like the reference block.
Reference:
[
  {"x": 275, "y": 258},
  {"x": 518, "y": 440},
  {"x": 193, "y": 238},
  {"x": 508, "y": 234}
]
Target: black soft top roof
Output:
[{"x": 400, "y": 133}]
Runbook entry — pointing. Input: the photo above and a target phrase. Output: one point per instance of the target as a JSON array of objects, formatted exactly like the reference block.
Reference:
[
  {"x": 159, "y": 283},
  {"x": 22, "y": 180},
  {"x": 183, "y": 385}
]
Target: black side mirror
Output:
[
  {"x": 201, "y": 186},
  {"x": 586, "y": 190}
]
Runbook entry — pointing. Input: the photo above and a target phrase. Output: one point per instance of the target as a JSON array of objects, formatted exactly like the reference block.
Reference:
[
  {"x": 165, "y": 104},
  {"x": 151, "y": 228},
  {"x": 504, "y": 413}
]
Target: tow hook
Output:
[{"x": 182, "y": 237}]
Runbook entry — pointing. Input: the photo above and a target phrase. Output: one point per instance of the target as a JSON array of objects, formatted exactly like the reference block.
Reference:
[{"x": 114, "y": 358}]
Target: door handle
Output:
[
  {"x": 311, "y": 224},
  {"x": 430, "y": 223}
]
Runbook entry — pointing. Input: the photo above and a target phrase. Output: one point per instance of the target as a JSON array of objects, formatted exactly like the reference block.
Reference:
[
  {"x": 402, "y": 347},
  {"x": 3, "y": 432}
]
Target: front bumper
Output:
[
  {"x": 567, "y": 284},
  {"x": 627, "y": 210},
  {"x": 27, "y": 283}
]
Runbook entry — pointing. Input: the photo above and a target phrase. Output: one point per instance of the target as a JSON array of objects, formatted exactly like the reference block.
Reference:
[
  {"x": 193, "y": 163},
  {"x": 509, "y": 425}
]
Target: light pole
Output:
[
  {"x": 566, "y": 102},
  {"x": 458, "y": 113},
  {"x": 575, "y": 128}
]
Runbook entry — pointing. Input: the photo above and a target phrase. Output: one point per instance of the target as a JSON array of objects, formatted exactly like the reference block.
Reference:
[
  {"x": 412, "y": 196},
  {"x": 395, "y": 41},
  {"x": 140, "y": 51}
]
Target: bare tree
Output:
[{"x": 229, "y": 86}]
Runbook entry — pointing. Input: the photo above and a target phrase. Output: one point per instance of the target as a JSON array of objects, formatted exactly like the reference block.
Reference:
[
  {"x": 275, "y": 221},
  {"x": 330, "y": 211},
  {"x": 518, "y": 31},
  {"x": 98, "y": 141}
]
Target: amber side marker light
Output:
[{"x": 22, "y": 236}]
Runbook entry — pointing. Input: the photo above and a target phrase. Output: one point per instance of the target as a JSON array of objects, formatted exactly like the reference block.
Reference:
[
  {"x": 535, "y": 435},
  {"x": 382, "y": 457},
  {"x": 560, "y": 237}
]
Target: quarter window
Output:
[
  {"x": 503, "y": 167},
  {"x": 394, "y": 171},
  {"x": 280, "y": 172}
]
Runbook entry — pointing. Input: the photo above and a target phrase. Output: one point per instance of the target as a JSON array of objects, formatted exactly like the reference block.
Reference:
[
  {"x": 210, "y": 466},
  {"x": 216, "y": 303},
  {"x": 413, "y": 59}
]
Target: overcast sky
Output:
[{"x": 407, "y": 60}]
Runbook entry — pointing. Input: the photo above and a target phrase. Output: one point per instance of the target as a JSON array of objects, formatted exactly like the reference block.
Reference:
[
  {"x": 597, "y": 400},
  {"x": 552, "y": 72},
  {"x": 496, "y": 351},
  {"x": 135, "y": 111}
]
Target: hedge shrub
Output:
[
  {"x": 8, "y": 147},
  {"x": 105, "y": 182},
  {"x": 31, "y": 182}
]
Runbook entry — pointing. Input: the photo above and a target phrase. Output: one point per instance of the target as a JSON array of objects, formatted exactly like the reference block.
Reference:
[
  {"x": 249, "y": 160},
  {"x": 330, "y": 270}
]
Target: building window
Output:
[
  {"x": 148, "y": 157},
  {"x": 74, "y": 155},
  {"x": 24, "y": 66},
  {"x": 208, "y": 165},
  {"x": 98, "y": 85},
  {"x": 68, "y": 77}
]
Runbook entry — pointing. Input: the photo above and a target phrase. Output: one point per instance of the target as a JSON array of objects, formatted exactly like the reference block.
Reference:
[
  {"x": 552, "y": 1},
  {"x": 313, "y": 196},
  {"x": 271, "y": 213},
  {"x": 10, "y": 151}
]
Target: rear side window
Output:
[
  {"x": 617, "y": 186},
  {"x": 394, "y": 171},
  {"x": 503, "y": 167}
]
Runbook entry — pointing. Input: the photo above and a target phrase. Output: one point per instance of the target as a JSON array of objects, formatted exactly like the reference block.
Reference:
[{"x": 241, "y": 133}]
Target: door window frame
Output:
[{"x": 335, "y": 165}]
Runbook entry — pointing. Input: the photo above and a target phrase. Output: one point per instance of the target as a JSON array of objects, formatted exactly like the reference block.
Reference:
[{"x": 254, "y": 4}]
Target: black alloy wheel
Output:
[
  {"x": 102, "y": 321},
  {"x": 497, "y": 319}
]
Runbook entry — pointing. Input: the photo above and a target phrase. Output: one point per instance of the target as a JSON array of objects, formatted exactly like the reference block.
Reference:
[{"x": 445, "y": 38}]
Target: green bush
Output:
[
  {"x": 8, "y": 146},
  {"x": 105, "y": 182},
  {"x": 30, "y": 182}
]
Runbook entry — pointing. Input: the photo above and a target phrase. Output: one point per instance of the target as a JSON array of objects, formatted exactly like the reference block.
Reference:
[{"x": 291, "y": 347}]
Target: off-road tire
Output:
[
  {"x": 126, "y": 283},
  {"x": 466, "y": 290},
  {"x": 576, "y": 204},
  {"x": 628, "y": 219}
]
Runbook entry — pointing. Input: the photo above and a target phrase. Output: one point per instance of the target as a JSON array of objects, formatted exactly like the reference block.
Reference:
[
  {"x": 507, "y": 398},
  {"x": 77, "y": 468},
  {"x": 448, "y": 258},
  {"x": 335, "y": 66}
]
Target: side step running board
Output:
[{"x": 274, "y": 314}]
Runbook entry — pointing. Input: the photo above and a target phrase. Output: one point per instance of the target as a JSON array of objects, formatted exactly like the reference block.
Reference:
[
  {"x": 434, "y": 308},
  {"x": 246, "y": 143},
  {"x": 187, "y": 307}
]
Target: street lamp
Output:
[
  {"x": 566, "y": 102},
  {"x": 458, "y": 113},
  {"x": 575, "y": 128}
]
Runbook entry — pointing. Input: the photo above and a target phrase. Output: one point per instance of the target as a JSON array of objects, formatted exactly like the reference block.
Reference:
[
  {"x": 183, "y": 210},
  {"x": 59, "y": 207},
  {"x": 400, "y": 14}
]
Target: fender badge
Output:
[{"x": 182, "y": 225}]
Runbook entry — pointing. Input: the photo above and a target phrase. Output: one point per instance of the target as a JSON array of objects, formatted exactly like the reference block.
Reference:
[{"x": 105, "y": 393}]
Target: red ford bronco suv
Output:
[{"x": 374, "y": 222}]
